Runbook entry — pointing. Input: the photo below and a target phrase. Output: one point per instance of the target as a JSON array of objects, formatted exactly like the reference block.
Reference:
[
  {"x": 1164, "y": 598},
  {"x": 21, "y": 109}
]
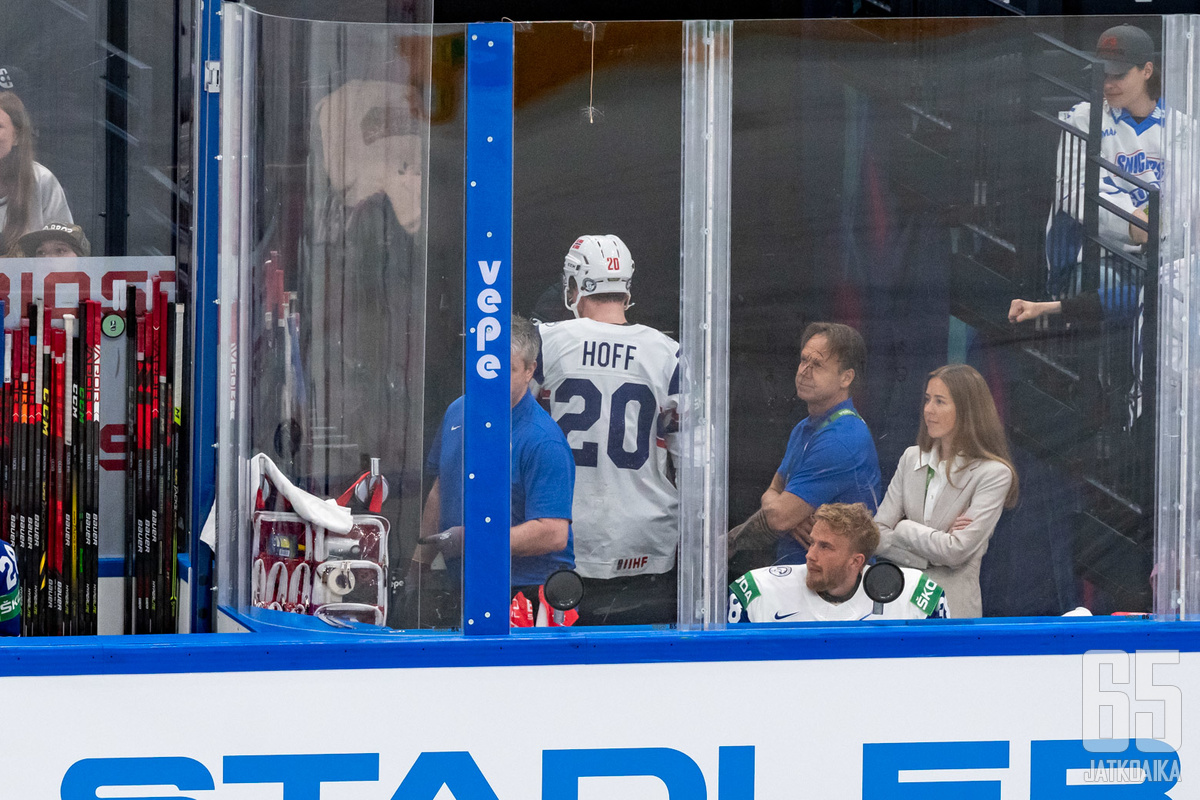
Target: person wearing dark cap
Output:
[
  {"x": 56, "y": 240},
  {"x": 1133, "y": 121}
]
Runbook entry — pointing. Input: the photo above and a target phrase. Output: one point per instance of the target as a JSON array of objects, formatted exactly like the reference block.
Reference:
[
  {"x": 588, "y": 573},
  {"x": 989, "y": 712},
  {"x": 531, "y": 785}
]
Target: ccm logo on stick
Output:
[{"x": 487, "y": 329}]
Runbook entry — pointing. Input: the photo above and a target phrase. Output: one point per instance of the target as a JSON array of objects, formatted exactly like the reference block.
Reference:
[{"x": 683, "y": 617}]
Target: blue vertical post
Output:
[
  {"x": 204, "y": 315},
  {"x": 486, "y": 463}
]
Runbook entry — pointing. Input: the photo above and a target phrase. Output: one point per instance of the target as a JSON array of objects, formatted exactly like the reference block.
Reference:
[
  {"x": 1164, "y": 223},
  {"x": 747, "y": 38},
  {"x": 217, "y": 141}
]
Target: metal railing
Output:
[{"x": 1110, "y": 360}]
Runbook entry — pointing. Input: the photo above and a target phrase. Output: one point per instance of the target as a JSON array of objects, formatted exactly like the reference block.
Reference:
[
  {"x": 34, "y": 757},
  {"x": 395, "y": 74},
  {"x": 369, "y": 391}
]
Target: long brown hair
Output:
[
  {"x": 1154, "y": 82},
  {"x": 978, "y": 432},
  {"x": 16, "y": 171}
]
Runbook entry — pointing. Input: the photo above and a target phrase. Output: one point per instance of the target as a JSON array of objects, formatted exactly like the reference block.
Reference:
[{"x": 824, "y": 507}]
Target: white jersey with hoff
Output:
[
  {"x": 780, "y": 594},
  {"x": 613, "y": 389}
]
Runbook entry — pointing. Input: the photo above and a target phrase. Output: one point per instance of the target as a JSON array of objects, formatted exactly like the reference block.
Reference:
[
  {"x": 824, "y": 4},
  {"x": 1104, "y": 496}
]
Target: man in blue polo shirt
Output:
[
  {"x": 543, "y": 483},
  {"x": 830, "y": 455}
]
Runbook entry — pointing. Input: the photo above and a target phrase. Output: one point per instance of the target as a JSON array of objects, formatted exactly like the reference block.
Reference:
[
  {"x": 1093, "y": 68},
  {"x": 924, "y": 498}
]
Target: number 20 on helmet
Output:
[{"x": 596, "y": 264}]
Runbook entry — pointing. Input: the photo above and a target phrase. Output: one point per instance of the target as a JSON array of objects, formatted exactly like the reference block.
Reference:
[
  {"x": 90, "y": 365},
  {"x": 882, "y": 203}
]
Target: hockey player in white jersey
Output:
[
  {"x": 829, "y": 586},
  {"x": 613, "y": 388}
]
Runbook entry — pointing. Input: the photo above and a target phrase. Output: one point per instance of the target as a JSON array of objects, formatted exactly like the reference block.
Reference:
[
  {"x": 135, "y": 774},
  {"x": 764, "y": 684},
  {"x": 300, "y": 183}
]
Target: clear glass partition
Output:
[
  {"x": 1177, "y": 592},
  {"x": 341, "y": 304},
  {"x": 933, "y": 185},
  {"x": 970, "y": 213}
]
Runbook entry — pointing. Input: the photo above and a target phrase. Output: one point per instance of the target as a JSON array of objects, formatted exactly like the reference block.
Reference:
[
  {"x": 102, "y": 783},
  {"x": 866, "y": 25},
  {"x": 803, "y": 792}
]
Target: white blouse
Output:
[{"x": 932, "y": 460}]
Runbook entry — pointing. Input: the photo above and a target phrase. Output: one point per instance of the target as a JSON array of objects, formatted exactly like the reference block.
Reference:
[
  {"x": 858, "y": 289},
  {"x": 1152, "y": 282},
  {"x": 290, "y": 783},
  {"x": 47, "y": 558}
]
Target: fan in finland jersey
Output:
[
  {"x": 613, "y": 388},
  {"x": 829, "y": 586}
]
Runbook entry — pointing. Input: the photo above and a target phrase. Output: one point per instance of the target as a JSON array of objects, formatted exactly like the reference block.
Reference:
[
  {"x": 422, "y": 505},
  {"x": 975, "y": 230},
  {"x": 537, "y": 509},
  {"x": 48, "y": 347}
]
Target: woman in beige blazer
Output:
[{"x": 948, "y": 492}]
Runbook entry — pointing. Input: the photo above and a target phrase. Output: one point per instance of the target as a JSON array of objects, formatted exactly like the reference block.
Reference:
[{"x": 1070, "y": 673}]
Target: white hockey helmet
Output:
[{"x": 596, "y": 264}]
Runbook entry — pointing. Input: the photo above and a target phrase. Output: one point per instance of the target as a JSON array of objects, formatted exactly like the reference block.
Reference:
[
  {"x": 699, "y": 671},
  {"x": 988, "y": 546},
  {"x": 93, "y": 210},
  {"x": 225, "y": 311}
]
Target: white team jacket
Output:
[{"x": 779, "y": 594}]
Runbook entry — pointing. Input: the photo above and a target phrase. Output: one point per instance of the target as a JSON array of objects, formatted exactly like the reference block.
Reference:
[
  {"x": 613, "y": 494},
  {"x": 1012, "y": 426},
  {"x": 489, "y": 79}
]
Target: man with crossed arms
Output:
[{"x": 830, "y": 455}]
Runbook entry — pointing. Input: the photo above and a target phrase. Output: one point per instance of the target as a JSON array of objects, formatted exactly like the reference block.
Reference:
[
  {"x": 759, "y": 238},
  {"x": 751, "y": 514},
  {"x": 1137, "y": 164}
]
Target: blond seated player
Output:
[{"x": 829, "y": 587}]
